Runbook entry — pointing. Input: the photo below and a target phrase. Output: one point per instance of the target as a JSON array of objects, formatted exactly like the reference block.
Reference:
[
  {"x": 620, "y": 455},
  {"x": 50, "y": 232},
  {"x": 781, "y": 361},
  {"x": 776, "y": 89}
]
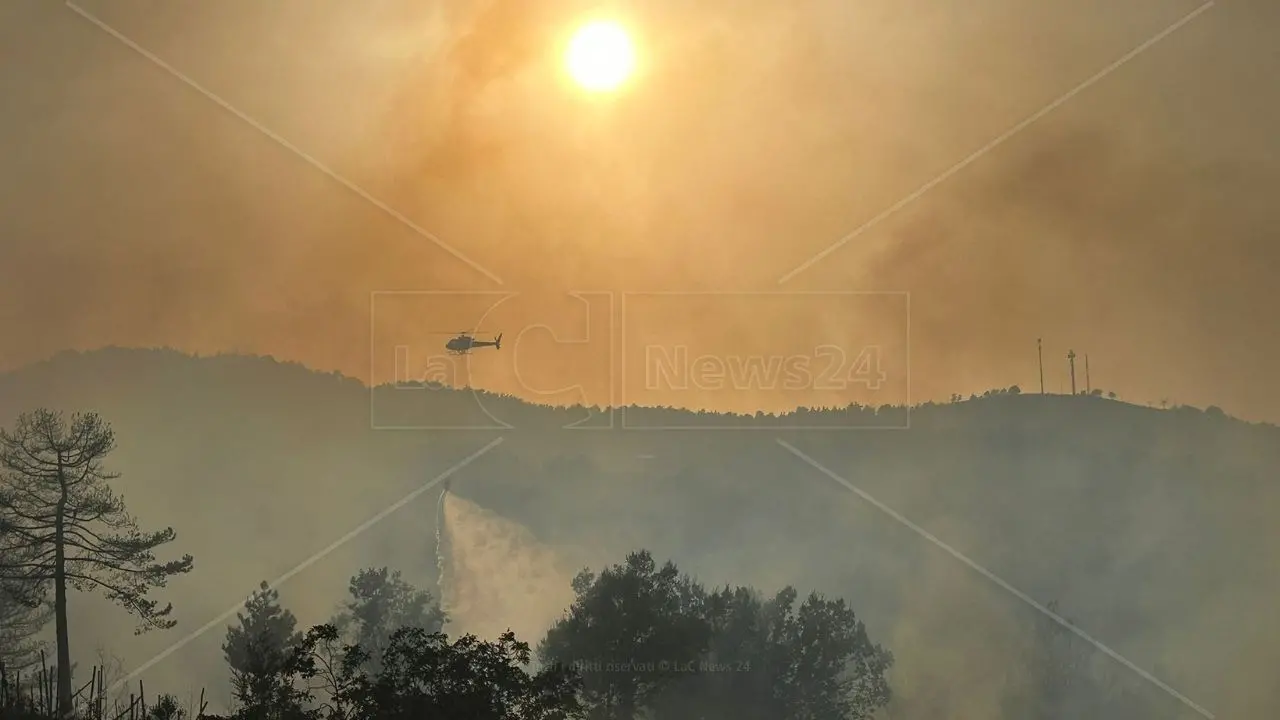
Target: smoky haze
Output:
[{"x": 1135, "y": 223}]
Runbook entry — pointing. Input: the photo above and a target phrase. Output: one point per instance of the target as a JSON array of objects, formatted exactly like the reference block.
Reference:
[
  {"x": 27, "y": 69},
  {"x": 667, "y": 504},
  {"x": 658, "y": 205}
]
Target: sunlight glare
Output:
[{"x": 600, "y": 56}]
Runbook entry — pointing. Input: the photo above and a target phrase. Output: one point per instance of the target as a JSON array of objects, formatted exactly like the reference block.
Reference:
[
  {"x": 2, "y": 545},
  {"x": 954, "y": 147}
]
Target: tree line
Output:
[{"x": 640, "y": 640}]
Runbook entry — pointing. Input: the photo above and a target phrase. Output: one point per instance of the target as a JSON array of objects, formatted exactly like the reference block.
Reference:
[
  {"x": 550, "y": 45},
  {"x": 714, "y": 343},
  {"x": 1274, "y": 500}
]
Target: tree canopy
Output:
[
  {"x": 258, "y": 651},
  {"x": 647, "y": 638},
  {"x": 381, "y": 602}
]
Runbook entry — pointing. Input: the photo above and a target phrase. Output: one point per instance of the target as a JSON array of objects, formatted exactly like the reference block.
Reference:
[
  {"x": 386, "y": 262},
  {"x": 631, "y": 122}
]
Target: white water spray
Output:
[
  {"x": 442, "y": 562},
  {"x": 494, "y": 575}
]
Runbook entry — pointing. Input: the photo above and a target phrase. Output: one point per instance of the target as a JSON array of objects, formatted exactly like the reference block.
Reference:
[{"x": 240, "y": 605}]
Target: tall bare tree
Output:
[{"x": 59, "y": 509}]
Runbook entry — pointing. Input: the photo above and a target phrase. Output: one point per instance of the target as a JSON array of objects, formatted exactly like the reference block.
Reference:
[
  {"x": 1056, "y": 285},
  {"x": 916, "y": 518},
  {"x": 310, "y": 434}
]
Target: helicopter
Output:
[{"x": 464, "y": 343}]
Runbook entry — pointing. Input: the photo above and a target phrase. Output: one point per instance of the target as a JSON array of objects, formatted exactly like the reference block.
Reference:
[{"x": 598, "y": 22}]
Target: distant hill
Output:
[{"x": 1152, "y": 528}]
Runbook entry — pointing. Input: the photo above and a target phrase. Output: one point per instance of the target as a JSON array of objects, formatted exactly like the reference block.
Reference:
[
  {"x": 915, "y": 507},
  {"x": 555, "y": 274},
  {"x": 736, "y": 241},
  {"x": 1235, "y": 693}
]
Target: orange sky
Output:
[{"x": 1135, "y": 223}]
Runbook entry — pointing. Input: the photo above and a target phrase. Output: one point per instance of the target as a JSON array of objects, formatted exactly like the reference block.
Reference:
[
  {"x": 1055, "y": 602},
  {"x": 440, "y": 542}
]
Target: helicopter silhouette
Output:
[{"x": 464, "y": 343}]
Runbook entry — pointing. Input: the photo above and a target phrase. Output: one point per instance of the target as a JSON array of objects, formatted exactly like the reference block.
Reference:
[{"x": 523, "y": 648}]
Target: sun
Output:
[{"x": 600, "y": 57}]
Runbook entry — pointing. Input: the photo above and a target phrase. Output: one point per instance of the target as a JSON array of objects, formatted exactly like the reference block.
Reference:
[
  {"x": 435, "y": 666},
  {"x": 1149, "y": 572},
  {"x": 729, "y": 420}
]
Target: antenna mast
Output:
[
  {"x": 1071, "y": 358},
  {"x": 1040, "y": 354},
  {"x": 1088, "y": 388}
]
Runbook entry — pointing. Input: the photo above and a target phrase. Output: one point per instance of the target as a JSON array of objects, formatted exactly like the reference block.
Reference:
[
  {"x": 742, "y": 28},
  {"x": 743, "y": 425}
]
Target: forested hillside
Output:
[{"x": 1150, "y": 528}]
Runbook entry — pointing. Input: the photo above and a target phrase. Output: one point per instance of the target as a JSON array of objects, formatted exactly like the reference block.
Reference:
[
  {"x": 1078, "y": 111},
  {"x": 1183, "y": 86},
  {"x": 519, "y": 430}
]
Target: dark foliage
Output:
[
  {"x": 380, "y": 603},
  {"x": 647, "y": 638},
  {"x": 258, "y": 651},
  {"x": 421, "y": 675}
]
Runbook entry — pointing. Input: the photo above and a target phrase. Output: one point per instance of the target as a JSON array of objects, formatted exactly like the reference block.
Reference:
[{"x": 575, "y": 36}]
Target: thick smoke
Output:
[
  {"x": 1136, "y": 223},
  {"x": 141, "y": 213}
]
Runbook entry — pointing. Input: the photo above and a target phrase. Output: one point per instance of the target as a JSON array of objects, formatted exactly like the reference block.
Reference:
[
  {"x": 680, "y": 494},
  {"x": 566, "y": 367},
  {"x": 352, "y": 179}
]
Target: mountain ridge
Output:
[
  {"x": 66, "y": 360},
  {"x": 1151, "y": 527}
]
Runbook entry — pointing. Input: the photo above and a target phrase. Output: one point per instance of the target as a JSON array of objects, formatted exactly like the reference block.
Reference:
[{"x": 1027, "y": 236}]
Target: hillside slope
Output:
[{"x": 1151, "y": 528}]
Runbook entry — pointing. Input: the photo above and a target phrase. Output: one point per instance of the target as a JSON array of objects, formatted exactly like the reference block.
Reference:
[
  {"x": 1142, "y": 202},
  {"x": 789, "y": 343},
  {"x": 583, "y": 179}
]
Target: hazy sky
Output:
[{"x": 1135, "y": 223}]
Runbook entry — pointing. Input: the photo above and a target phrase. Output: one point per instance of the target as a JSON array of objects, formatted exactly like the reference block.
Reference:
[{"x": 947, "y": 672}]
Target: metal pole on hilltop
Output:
[
  {"x": 1040, "y": 353},
  {"x": 1071, "y": 358}
]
